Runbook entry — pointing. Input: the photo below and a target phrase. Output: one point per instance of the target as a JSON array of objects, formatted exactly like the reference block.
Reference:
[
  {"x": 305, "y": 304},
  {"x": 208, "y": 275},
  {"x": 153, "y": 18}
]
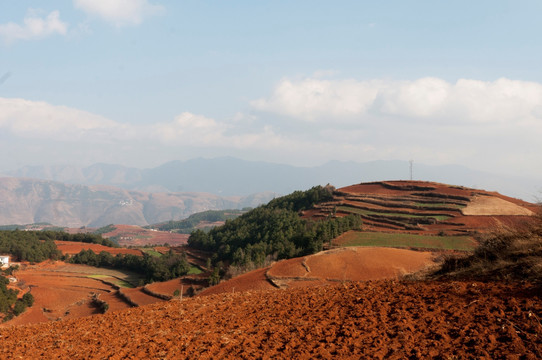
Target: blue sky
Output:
[{"x": 142, "y": 82}]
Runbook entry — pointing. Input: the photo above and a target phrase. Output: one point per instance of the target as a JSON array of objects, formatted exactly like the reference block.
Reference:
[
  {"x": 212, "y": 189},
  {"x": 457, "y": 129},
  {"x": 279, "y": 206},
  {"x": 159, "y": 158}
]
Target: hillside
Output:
[
  {"x": 421, "y": 207},
  {"x": 26, "y": 201}
]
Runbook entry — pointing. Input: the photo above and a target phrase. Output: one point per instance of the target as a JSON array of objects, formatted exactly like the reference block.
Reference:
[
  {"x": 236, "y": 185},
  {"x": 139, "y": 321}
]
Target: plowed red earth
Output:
[
  {"x": 371, "y": 320},
  {"x": 72, "y": 247}
]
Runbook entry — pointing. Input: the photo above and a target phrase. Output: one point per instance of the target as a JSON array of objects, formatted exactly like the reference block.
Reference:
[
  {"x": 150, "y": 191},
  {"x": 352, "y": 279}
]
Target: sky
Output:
[{"x": 143, "y": 82}]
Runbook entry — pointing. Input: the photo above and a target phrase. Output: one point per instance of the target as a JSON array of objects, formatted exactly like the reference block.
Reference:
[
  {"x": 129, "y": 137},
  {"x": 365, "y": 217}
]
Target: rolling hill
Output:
[{"x": 422, "y": 207}]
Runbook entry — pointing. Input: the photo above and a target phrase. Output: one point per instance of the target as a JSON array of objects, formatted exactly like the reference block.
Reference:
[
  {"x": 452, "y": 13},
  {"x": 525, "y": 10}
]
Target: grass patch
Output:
[
  {"x": 122, "y": 283},
  {"x": 354, "y": 210},
  {"x": 194, "y": 270},
  {"x": 150, "y": 251},
  {"x": 113, "y": 280},
  {"x": 357, "y": 238}
]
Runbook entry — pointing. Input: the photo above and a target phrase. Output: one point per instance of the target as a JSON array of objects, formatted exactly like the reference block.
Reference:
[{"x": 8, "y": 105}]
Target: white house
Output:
[{"x": 4, "y": 261}]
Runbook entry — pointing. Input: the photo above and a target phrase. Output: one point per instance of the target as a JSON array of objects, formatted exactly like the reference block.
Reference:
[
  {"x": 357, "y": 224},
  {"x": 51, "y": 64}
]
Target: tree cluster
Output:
[
  {"x": 302, "y": 200},
  {"x": 28, "y": 246},
  {"x": 274, "y": 230},
  {"x": 9, "y": 304},
  {"x": 85, "y": 238},
  {"x": 186, "y": 226},
  {"x": 154, "y": 268}
]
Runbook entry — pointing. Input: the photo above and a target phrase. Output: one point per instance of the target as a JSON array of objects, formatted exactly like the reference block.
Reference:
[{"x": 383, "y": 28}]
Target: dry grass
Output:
[{"x": 510, "y": 254}]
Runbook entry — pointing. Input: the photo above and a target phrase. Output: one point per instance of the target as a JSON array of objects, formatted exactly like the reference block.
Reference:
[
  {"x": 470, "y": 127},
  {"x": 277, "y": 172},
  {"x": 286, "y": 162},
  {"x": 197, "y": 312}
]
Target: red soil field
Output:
[
  {"x": 367, "y": 263},
  {"x": 251, "y": 281},
  {"x": 368, "y": 320},
  {"x": 72, "y": 247},
  {"x": 60, "y": 291},
  {"x": 347, "y": 264},
  {"x": 288, "y": 268},
  {"x": 139, "y": 297}
]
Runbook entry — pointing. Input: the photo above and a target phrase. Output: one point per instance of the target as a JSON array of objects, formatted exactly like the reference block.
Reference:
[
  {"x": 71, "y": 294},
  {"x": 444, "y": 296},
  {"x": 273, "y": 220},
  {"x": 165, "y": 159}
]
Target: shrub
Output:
[
  {"x": 514, "y": 253},
  {"x": 28, "y": 299}
]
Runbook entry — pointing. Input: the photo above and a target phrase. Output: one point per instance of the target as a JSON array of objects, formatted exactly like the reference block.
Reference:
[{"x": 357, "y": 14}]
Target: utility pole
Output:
[{"x": 411, "y": 163}]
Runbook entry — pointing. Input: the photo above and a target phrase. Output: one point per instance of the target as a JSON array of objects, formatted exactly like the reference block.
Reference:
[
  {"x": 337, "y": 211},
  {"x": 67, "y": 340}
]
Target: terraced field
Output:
[{"x": 419, "y": 207}]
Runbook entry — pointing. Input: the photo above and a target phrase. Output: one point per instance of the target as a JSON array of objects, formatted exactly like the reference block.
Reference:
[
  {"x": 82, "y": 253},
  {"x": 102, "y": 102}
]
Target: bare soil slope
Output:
[
  {"x": 345, "y": 264},
  {"x": 372, "y": 320}
]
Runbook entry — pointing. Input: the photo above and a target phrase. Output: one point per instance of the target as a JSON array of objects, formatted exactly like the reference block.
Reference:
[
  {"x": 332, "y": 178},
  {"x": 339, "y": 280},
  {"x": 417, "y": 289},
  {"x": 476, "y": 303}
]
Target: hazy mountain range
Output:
[
  {"x": 102, "y": 193},
  {"x": 27, "y": 201},
  {"x": 229, "y": 176}
]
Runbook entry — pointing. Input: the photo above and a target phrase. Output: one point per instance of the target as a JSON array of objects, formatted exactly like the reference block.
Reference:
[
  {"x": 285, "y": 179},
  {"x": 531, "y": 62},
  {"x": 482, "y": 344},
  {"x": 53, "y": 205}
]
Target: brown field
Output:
[
  {"x": 139, "y": 297},
  {"x": 197, "y": 282},
  {"x": 133, "y": 235},
  {"x": 487, "y": 205},
  {"x": 358, "y": 320},
  {"x": 63, "y": 291},
  {"x": 367, "y": 263},
  {"x": 251, "y": 281},
  {"x": 72, "y": 247},
  {"x": 345, "y": 264}
]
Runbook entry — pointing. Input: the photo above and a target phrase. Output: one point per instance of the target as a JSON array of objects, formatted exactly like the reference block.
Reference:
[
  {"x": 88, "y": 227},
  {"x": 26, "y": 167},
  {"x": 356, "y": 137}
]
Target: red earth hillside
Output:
[
  {"x": 330, "y": 267},
  {"x": 422, "y": 207}
]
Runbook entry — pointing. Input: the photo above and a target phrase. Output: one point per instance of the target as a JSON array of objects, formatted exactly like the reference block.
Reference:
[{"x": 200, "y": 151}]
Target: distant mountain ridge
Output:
[
  {"x": 227, "y": 176},
  {"x": 25, "y": 201}
]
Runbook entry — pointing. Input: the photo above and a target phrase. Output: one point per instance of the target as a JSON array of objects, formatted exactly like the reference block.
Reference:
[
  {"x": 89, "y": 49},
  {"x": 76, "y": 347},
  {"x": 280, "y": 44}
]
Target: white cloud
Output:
[
  {"x": 429, "y": 99},
  {"x": 313, "y": 99},
  {"x": 484, "y": 125},
  {"x": 120, "y": 12},
  {"x": 37, "y": 119},
  {"x": 33, "y": 27},
  {"x": 40, "y": 120}
]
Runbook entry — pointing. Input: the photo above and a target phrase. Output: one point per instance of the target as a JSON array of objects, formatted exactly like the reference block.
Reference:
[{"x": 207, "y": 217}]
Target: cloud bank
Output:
[
  {"x": 431, "y": 99},
  {"x": 33, "y": 27},
  {"x": 486, "y": 125}
]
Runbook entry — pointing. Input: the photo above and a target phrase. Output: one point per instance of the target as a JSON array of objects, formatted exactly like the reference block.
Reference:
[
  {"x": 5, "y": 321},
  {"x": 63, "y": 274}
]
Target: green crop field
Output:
[
  {"x": 194, "y": 270},
  {"x": 356, "y": 238},
  {"x": 151, "y": 251},
  {"x": 119, "y": 282},
  {"x": 354, "y": 210}
]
